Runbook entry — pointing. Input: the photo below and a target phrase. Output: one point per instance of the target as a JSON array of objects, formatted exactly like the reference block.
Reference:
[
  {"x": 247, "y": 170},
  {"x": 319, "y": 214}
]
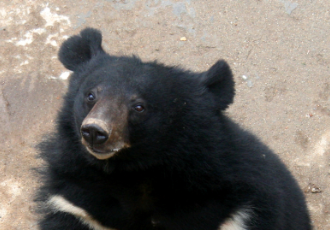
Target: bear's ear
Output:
[
  {"x": 81, "y": 48},
  {"x": 219, "y": 81}
]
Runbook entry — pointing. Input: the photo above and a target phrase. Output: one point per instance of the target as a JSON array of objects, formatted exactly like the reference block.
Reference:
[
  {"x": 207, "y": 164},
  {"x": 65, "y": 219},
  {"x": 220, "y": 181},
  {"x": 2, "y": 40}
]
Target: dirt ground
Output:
[{"x": 279, "y": 52}]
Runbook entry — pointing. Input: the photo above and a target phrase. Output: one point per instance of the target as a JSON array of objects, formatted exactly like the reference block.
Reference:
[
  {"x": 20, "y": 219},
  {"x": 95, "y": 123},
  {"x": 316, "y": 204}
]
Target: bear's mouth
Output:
[{"x": 102, "y": 155}]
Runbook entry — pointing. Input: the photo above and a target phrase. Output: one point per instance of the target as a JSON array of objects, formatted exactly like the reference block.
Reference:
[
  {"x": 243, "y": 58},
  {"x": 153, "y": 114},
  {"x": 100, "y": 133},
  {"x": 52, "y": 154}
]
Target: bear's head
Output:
[{"x": 124, "y": 108}]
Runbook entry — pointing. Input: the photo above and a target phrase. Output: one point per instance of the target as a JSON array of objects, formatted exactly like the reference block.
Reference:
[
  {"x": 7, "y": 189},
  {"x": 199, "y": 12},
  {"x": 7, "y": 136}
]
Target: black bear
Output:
[{"x": 142, "y": 146}]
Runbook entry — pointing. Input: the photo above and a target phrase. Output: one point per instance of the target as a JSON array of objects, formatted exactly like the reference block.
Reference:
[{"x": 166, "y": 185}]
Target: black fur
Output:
[
  {"x": 189, "y": 167},
  {"x": 78, "y": 50}
]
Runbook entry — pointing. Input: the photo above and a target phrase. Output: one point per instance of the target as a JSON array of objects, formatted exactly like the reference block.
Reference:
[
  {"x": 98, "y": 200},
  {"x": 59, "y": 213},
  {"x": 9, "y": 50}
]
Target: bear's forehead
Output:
[
  {"x": 121, "y": 67},
  {"x": 127, "y": 72},
  {"x": 128, "y": 76}
]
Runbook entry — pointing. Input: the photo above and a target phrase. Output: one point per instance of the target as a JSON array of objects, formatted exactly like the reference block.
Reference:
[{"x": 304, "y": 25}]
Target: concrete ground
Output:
[{"x": 279, "y": 52}]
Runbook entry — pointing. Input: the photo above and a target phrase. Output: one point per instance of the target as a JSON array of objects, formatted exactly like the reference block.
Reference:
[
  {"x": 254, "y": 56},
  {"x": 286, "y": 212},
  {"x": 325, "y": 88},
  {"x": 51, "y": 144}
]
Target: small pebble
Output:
[{"x": 244, "y": 77}]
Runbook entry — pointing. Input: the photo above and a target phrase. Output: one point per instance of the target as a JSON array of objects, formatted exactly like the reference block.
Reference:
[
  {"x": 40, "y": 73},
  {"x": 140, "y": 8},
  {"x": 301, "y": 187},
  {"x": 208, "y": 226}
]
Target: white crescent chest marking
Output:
[
  {"x": 237, "y": 221},
  {"x": 59, "y": 203}
]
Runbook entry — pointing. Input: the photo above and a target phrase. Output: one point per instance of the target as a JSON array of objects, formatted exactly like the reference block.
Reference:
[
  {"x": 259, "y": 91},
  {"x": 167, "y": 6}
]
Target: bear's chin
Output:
[{"x": 102, "y": 156}]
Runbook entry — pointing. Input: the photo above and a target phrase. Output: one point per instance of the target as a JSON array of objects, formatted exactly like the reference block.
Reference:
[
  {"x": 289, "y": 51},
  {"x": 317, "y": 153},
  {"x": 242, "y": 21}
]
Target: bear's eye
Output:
[
  {"x": 90, "y": 97},
  {"x": 139, "y": 108}
]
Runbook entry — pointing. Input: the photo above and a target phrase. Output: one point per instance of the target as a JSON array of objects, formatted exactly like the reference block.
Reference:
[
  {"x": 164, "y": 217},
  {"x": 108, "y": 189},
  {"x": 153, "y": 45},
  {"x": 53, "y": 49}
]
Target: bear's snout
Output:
[
  {"x": 102, "y": 138},
  {"x": 94, "y": 134}
]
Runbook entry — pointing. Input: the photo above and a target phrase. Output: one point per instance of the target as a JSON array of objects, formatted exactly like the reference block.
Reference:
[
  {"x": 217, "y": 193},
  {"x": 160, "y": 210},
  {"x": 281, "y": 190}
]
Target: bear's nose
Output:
[{"x": 94, "y": 134}]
